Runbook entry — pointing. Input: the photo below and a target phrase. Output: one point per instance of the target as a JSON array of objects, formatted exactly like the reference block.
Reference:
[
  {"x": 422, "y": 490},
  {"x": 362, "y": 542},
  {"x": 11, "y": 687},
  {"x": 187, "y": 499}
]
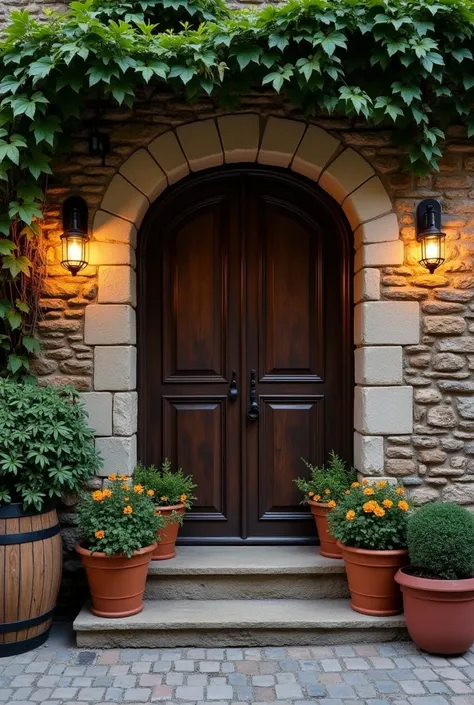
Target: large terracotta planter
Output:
[
  {"x": 371, "y": 578},
  {"x": 117, "y": 583},
  {"x": 329, "y": 547},
  {"x": 165, "y": 548},
  {"x": 439, "y": 613}
]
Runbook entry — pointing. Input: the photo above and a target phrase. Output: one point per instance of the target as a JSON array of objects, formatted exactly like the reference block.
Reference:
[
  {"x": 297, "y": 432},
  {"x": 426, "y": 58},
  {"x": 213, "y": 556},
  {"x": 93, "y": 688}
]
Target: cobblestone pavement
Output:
[{"x": 378, "y": 674}]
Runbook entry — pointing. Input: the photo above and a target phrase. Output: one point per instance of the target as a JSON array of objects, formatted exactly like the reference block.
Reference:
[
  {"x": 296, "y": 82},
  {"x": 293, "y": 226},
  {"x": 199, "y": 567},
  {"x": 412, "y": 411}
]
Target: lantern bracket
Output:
[{"x": 421, "y": 212}]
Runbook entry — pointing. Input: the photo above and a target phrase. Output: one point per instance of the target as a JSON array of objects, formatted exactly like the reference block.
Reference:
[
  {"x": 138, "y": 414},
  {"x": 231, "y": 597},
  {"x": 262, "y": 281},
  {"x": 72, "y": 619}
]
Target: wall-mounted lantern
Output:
[
  {"x": 429, "y": 235},
  {"x": 75, "y": 240},
  {"x": 99, "y": 143}
]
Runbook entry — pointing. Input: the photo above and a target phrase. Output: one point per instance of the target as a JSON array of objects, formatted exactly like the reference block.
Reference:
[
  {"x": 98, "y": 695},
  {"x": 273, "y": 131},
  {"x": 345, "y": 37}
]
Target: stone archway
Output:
[{"x": 383, "y": 405}]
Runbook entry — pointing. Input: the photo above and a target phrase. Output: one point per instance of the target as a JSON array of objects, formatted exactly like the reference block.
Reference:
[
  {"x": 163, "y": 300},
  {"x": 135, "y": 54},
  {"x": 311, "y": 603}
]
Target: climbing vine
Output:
[{"x": 406, "y": 64}]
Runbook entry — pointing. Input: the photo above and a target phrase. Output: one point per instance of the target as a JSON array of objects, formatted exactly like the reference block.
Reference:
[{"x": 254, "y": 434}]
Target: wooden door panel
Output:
[
  {"x": 291, "y": 316},
  {"x": 195, "y": 278},
  {"x": 289, "y": 428},
  {"x": 195, "y": 439}
]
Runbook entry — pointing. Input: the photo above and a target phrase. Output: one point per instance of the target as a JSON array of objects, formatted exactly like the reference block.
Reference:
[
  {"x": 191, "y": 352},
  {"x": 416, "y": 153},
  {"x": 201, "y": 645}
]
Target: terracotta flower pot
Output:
[
  {"x": 165, "y": 547},
  {"x": 371, "y": 578},
  {"x": 439, "y": 613},
  {"x": 329, "y": 547},
  {"x": 117, "y": 583}
]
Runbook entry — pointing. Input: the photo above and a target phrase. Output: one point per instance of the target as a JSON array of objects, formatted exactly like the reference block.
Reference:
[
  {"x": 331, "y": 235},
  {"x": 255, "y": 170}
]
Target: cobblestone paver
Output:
[{"x": 378, "y": 674}]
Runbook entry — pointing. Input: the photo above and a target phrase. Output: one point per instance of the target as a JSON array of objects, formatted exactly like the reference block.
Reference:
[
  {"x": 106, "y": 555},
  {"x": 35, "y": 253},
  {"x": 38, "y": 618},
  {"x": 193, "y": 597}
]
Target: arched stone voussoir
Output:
[
  {"x": 315, "y": 150},
  {"x": 111, "y": 228},
  {"x": 346, "y": 173},
  {"x": 368, "y": 201},
  {"x": 144, "y": 173},
  {"x": 201, "y": 144},
  {"x": 240, "y": 136},
  {"x": 167, "y": 152},
  {"x": 280, "y": 141},
  {"x": 124, "y": 200}
]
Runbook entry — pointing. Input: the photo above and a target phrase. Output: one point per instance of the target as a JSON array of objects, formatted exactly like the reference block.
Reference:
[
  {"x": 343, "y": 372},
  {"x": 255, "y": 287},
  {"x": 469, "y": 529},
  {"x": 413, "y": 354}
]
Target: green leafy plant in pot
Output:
[
  {"x": 322, "y": 490},
  {"x": 46, "y": 450},
  {"x": 172, "y": 493},
  {"x": 119, "y": 526},
  {"x": 438, "y": 585},
  {"x": 370, "y": 524}
]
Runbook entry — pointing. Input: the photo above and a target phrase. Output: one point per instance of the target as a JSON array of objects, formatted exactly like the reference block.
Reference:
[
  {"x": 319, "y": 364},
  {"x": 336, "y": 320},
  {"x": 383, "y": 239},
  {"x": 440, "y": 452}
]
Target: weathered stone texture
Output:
[{"x": 437, "y": 350}]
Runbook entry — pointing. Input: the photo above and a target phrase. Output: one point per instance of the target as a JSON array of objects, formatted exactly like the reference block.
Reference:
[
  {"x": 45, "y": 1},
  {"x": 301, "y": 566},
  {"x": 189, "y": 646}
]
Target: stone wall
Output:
[{"x": 437, "y": 461}]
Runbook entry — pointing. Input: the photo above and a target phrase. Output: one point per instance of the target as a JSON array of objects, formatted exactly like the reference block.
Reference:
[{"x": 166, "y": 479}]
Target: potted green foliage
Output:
[
  {"x": 119, "y": 527},
  {"x": 438, "y": 585},
  {"x": 46, "y": 450},
  {"x": 172, "y": 493},
  {"x": 322, "y": 490},
  {"x": 370, "y": 524}
]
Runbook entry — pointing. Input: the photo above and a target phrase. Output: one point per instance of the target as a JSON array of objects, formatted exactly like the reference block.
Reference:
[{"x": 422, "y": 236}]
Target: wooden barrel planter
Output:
[{"x": 30, "y": 575}]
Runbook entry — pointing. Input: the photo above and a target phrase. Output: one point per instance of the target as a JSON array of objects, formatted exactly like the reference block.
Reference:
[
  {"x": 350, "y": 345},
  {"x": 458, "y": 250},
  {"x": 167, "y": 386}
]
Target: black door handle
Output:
[
  {"x": 233, "y": 389},
  {"x": 253, "y": 412}
]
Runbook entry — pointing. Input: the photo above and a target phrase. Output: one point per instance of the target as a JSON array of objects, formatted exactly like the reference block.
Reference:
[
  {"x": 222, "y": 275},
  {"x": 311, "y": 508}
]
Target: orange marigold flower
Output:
[
  {"x": 310, "y": 494},
  {"x": 378, "y": 511},
  {"x": 97, "y": 496},
  {"x": 365, "y": 482},
  {"x": 403, "y": 505},
  {"x": 150, "y": 493},
  {"x": 124, "y": 477},
  {"x": 125, "y": 486},
  {"x": 125, "y": 499},
  {"x": 113, "y": 476},
  {"x": 107, "y": 493},
  {"x": 369, "y": 491},
  {"x": 183, "y": 498},
  {"x": 164, "y": 498},
  {"x": 369, "y": 507},
  {"x": 355, "y": 484},
  {"x": 327, "y": 491},
  {"x": 332, "y": 504},
  {"x": 316, "y": 498},
  {"x": 138, "y": 489},
  {"x": 99, "y": 534},
  {"x": 347, "y": 492},
  {"x": 400, "y": 490},
  {"x": 387, "y": 503},
  {"x": 350, "y": 515},
  {"x": 128, "y": 509},
  {"x": 381, "y": 484}
]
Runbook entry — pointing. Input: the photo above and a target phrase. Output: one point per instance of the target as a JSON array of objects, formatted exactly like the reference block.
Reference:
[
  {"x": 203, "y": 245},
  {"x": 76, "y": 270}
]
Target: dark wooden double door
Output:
[{"x": 245, "y": 276}]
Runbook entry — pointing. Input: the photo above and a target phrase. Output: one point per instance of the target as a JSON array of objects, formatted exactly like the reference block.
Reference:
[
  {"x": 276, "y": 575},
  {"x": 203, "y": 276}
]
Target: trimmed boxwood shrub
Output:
[{"x": 441, "y": 542}]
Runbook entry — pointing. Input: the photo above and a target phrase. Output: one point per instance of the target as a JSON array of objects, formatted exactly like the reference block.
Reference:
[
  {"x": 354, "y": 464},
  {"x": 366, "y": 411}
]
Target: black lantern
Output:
[
  {"x": 429, "y": 235},
  {"x": 75, "y": 240}
]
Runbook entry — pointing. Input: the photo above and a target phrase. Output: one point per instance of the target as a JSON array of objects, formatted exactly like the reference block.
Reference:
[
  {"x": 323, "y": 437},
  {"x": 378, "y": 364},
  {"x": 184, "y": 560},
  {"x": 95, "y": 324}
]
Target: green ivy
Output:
[{"x": 405, "y": 64}]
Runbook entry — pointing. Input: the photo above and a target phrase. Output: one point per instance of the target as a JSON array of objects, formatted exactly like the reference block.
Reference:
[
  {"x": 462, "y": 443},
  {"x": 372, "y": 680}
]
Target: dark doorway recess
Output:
[{"x": 240, "y": 270}]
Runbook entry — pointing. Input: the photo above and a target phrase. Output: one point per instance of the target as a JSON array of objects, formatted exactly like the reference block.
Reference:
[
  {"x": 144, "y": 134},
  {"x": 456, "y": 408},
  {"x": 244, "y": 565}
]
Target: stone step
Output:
[
  {"x": 246, "y": 572},
  {"x": 227, "y": 623}
]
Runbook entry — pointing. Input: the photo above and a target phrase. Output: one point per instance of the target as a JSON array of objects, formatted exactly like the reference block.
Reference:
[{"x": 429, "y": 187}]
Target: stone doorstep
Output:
[
  {"x": 230, "y": 622},
  {"x": 246, "y": 573}
]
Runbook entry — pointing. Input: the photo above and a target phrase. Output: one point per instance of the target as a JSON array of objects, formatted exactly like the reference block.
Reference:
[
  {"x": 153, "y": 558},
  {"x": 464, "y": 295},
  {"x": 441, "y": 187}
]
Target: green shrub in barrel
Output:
[{"x": 46, "y": 450}]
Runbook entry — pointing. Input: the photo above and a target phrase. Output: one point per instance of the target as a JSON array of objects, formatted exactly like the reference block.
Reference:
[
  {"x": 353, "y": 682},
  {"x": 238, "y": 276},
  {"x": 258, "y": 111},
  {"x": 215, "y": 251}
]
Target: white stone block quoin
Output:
[
  {"x": 167, "y": 151},
  {"x": 115, "y": 368},
  {"x": 384, "y": 411},
  {"x": 144, "y": 173},
  {"x": 201, "y": 144},
  {"x": 316, "y": 148},
  {"x": 99, "y": 408},
  {"x": 345, "y": 174},
  {"x": 111, "y": 228},
  {"x": 379, "y": 365},
  {"x": 368, "y": 454},
  {"x": 109, "y": 324},
  {"x": 124, "y": 200},
  {"x": 125, "y": 413},
  {"x": 103, "y": 253},
  {"x": 387, "y": 323},
  {"x": 384, "y": 229},
  {"x": 117, "y": 285},
  {"x": 118, "y": 454},
  {"x": 368, "y": 201},
  {"x": 240, "y": 135},
  {"x": 381, "y": 254},
  {"x": 367, "y": 285},
  {"x": 280, "y": 141}
]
